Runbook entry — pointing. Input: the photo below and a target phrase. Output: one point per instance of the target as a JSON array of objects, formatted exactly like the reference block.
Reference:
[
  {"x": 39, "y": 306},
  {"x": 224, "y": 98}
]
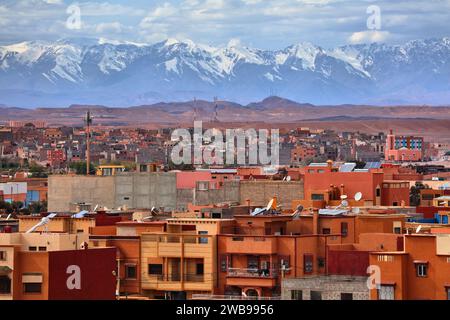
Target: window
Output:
[
  {"x": 346, "y": 296},
  {"x": 397, "y": 230},
  {"x": 308, "y": 263},
  {"x": 252, "y": 262},
  {"x": 326, "y": 231},
  {"x": 344, "y": 229},
  {"x": 203, "y": 240},
  {"x": 378, "y": 192},
  {"x": 32, "y": 287},
  {"x": 448, "y": 293},
  {"x": 296, "y": 295},
  {"x": 386, "y": 292},
  {"x": 422, "y": 270},
  {"x": 199, "y": 270},
  {"x": 223, "y": 263},
  {"x": 130, "y": 271},
  {"x": 321, "y": 262},
  {"x": 32, "y": 248},
  {"x": 316, "y": 295},
  {"x": 2, "y": 255},
  {"x": 156, "y": 269},
  {"x": 317, "y": 196},
  {"x": 42, "y": 248},
  {"x": 5, "y": 284}
]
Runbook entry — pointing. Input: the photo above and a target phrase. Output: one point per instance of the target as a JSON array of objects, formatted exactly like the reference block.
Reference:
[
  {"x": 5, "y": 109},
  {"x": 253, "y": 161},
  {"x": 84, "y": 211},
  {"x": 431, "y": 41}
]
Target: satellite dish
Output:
[
  {"x": 43, "y": 222},
  {"x": 84, "y": 246},
  {"x": 288, "y": 179},
  {"x": 343, "y": 197},
  {"x": 358, "y": 196},
  {"x": 297, "y": 212},
  {"x": 269, "y": 205},
  {"x": 8, "y": 217},
  {"x": 344, "y": 203},
  {"x": 419, "y": 228},
  {"x": 80, "y": 214}
]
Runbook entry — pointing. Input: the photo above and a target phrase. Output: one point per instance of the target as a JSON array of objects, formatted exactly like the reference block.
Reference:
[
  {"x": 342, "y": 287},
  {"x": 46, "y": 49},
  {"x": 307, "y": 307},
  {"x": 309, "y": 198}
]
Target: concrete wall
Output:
[
  {"x": 64, "y": 190},
  {"x": 260, "y": 192},
  {"x": 158, "y": 189},
  {"x": 146, "y": 190}
]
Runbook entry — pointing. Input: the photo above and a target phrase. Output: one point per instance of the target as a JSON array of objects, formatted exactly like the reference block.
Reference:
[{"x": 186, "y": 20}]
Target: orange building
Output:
[
  {"x": 256, "y": 253},
  {"x": 419, "y": 272},
  {"x": 324, "y": 182}
]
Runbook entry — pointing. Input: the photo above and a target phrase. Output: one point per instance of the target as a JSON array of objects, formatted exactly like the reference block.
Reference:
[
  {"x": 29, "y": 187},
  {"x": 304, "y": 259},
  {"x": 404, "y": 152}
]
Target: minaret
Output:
[
  {"x": 390, "y": 144},
  {"x": 88, "y": 121}
]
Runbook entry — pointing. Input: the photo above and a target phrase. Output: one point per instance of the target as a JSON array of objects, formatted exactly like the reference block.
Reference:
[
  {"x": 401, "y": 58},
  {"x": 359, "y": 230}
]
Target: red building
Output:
[{"x": 56, "y": 157}]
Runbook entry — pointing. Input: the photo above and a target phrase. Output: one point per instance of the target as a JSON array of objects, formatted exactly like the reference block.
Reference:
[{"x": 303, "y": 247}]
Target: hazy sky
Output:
[{"x": 267, "y": 24}]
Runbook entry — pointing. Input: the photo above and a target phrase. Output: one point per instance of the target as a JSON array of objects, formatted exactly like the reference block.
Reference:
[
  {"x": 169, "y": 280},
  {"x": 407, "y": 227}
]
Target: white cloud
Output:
[
  {"x": 261, "y": 23},
  {"x": 110, "y": 27},
  {"x": 368, "y": 37}
]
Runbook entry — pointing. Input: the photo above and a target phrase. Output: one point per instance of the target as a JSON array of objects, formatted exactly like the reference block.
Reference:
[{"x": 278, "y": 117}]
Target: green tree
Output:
[
  {"x": 37, "y": 171},
  {"x": 80, "y": 167},
  {"x": 38, "y": 207}
]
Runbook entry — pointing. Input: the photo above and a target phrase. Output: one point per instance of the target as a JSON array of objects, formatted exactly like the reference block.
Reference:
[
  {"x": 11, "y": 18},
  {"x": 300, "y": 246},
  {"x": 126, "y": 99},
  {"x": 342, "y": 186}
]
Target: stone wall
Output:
[
  {"x": 330, "y": 287},
  {"x": 261, "y": 191}
]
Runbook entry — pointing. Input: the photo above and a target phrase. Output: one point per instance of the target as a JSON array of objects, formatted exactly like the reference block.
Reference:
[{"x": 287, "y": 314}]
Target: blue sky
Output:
[{"x": 266, "y": 24}]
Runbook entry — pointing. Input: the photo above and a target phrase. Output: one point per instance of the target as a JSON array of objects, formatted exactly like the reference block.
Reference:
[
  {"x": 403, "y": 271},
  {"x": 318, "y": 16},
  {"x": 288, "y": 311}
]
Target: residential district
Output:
[{"x": 104, "y": 214}]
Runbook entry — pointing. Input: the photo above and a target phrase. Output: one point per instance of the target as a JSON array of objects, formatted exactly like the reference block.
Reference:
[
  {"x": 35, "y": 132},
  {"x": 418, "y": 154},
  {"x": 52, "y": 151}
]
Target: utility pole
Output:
[{"x": 88, "y": 121}]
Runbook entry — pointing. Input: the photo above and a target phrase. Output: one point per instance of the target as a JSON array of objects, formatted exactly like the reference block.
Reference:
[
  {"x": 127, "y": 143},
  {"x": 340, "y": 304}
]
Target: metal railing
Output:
[
  {"x": 176, "y": 277},
  {"x": 252, "y": 273},
  {"x": 230, "y": 297}
]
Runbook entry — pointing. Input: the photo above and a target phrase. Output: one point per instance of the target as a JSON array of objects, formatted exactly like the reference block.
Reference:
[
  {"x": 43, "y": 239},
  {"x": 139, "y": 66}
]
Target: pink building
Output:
[{"x": 403, "y": 148}]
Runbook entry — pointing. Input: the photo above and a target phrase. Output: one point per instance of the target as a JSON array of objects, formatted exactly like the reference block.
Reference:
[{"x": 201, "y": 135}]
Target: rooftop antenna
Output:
[
  {"x": 43, "y": 222},
  {"x": 88, "y": 121}
]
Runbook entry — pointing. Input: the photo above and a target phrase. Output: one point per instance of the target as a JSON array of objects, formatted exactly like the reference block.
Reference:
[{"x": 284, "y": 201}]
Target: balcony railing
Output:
[
  {"x": 252, "y": 273},
  {"x": 176, "y": 277},
  {"x": 194, "y": 239},
  {"x": 227, "y": 297}
]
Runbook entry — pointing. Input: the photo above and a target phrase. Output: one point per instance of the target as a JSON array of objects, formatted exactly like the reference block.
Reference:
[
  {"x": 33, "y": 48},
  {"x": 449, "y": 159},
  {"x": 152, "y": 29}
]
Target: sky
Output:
[{"x": 265, "y": 24}]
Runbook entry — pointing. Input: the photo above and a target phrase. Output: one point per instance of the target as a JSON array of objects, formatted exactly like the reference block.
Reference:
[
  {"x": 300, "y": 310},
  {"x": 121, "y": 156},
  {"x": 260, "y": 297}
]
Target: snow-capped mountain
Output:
[{"x": 91, "y": 71}]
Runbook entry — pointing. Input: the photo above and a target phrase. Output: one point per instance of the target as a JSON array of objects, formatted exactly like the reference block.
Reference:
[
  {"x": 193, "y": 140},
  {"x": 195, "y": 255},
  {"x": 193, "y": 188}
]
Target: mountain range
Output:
[{"x": 98, "y": 71}]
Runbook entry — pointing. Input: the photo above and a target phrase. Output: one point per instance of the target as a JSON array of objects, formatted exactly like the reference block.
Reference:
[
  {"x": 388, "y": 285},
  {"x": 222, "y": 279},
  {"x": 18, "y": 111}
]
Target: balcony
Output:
[
  {"x": 177, "y": 282},
  {"x": 251, "y": 245},
  {"x": 172, "y": 245},
  {"x": 252, "y": 277}
]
